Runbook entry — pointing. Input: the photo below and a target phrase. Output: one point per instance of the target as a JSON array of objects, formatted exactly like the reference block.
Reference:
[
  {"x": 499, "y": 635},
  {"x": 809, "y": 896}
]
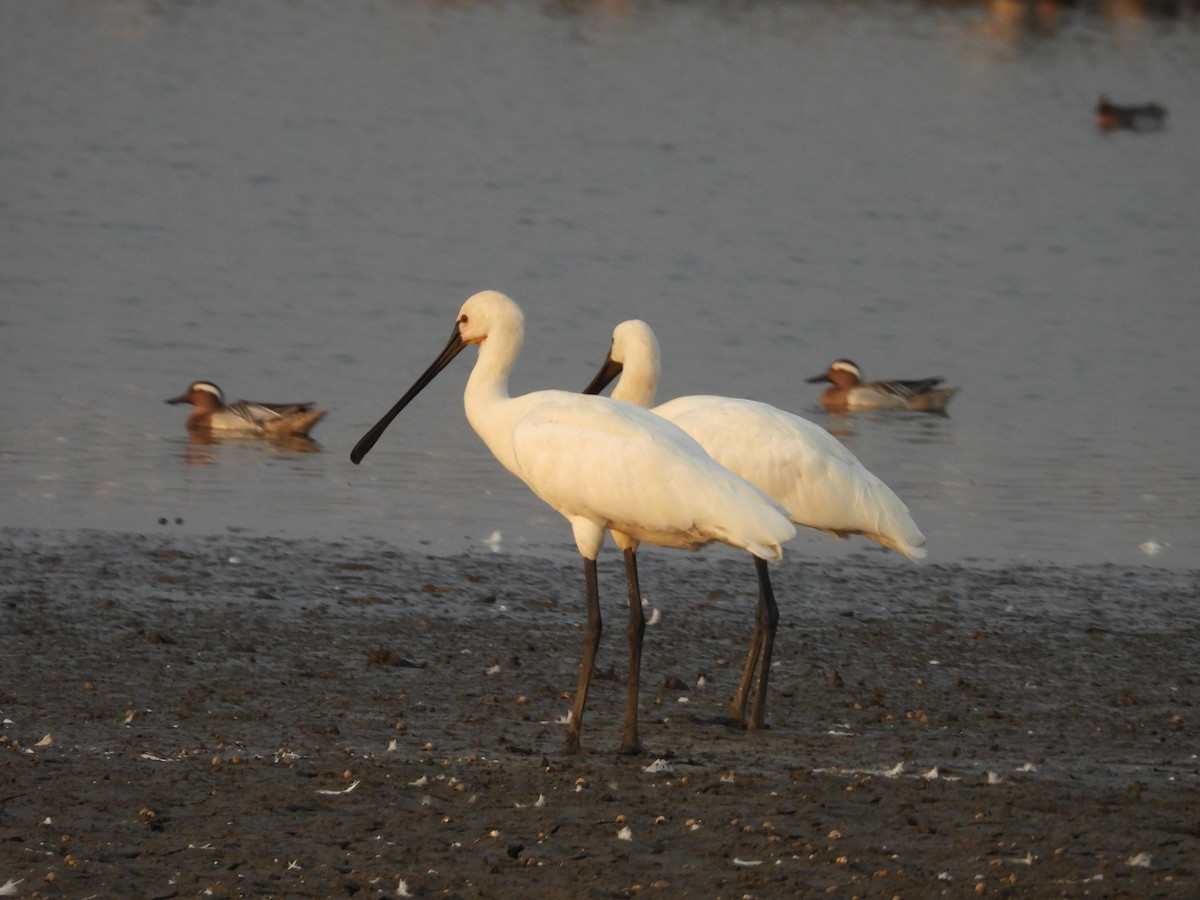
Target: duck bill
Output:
[
  {"x": 817, "y": 379},
  {"x": 453, "y": 348},
  {"x": 604, "y": 377},
  {"x": 182, "y": 398}
]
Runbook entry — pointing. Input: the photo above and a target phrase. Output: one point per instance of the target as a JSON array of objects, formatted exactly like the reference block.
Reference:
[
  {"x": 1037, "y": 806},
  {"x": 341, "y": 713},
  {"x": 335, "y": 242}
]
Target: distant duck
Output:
[
  {"x": 1146, "y": 117},
  {"x": 245, "y": 417},
  {"x": 850, "y": 392}
]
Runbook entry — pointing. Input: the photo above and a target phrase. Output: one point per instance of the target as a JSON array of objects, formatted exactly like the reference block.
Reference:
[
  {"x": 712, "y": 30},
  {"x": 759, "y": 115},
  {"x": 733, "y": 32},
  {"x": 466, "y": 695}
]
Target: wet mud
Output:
[{"x": 238, "y": 717}]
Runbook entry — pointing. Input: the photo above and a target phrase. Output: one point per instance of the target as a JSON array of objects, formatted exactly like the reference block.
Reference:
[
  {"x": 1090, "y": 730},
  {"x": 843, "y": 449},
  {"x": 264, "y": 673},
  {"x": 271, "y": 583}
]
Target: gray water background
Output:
[{"x": 293, "y": 198}]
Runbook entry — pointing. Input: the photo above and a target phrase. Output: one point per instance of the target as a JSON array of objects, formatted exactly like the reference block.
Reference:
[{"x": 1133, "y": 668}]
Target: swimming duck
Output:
[
  {"x": 1146, "y": 117},
  {"x": 245, "y": 416},
  {"x": 850, "y": 392}
]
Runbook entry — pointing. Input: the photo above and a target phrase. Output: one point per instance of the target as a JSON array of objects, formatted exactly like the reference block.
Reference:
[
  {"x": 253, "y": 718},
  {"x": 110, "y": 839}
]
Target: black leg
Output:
[
  {"x": 636, "y": 631},
  {"x": 767, "y": 621},
  {"x": 762, "y": 645},
  {"x": 737, "y": 709},
  {"x": 591, "y": 641}
]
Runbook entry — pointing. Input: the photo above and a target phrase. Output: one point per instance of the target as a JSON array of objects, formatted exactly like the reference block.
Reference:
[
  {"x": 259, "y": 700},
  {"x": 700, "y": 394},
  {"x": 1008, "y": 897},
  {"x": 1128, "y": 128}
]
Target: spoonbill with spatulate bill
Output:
[
  {"x": 603, "y": 464},
  {"x": 819, "y": 482}
]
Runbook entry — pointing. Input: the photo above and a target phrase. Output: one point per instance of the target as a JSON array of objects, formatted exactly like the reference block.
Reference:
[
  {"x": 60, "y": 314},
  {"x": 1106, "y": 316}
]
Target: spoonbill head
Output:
[
  {"x": 602, "y": 464},
  {"x": 811, "y": 474}
]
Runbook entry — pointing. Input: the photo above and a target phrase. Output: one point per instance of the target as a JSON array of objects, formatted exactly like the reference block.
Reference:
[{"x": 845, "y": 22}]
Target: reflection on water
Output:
[
  {"x": 912, "y": 427},
  {"x": 1005, "y": 21},
  {"x": 1023, "y": 24},
  {"x": 1018, "y": 21},
  {"x": 202, "y": 438},
  {"x": 296, "y": 197}
]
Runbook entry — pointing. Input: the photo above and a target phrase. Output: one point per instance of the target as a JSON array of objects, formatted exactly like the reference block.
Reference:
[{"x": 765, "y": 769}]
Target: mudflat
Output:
[{"x": 253, "y": 717}]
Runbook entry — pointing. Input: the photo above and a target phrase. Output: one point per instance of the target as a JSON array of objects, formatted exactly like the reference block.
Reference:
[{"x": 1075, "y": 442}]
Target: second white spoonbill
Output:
[
  {"x": 819, "y": 482},
  {"x": 602, "y": 464}
]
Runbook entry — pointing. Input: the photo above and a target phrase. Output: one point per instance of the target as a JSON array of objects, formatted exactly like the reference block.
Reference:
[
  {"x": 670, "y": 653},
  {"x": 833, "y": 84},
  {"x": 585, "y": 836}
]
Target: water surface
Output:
[{"x": 292, "y": 200}]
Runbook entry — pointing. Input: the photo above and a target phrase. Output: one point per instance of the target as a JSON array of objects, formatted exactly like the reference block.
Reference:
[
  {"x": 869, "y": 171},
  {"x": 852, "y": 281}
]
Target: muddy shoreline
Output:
[{"x": 235, "y": 716}]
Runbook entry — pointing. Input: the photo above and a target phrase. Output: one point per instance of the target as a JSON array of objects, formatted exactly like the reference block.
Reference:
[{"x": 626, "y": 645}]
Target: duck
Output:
[
  {"x": 1143, "y": 117},
  {"x": 850, "y": 392},
  {"x": 211, "y": 413}
]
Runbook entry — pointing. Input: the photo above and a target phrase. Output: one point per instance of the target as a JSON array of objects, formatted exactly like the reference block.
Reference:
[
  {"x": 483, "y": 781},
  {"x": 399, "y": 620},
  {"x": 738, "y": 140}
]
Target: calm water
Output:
[{"x": 292, "y": 199}]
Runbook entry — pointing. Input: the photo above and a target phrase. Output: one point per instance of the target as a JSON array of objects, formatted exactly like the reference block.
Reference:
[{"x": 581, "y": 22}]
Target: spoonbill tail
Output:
[
  {"x": 819, "y": 482},
  {"x": 603, "y": 465}
]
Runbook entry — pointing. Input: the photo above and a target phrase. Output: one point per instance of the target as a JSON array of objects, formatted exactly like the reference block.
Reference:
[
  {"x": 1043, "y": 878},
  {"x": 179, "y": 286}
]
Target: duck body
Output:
[
  {"x": 1139, "y": 117},
  {"x": 851, "y": 393},
  {"x": 245, "y": 417}
]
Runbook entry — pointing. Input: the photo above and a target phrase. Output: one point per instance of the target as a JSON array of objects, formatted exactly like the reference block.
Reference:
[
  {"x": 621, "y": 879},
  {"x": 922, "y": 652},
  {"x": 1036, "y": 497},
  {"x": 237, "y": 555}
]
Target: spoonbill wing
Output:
[
  {"x": 615, "y": 464},
  {"x": 800, "y": 464}
]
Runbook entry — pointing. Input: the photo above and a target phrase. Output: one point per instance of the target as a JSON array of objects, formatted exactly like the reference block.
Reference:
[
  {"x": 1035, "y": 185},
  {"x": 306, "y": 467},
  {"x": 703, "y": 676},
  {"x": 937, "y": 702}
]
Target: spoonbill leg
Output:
[
  {"x": 635, "y": 632},
  {"x": 762, "y": 646},
  {"x": 591, "y": 643}
]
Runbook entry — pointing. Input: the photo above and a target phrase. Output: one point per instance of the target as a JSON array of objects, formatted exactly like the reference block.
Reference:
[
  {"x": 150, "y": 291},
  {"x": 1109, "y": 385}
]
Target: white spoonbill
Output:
[
  {"x": 819, "y": 482},
  {"x": 603, "y": 464}
]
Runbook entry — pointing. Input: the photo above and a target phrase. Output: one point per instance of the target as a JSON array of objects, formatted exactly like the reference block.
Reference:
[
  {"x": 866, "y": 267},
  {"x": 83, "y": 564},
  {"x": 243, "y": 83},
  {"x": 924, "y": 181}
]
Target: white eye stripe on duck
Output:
[
  {"x": 209, "y": 387},
  {"x": 844, "y": 365}
]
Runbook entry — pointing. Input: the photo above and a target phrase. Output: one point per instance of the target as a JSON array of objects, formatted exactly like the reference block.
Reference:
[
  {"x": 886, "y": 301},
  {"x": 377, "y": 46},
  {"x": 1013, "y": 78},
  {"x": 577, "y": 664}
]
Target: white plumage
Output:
[
  {"x": 604, "y": 465},
  {"x": 819, "y": 482}
]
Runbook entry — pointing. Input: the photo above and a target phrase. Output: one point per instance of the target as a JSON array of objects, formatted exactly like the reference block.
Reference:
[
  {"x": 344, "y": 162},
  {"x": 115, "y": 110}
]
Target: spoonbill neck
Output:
[
  {"x": 635, "y": 356},
  {"x": 487, "y": 386},
  {"x": 491, "y": 410}
]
